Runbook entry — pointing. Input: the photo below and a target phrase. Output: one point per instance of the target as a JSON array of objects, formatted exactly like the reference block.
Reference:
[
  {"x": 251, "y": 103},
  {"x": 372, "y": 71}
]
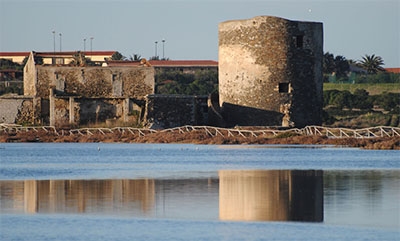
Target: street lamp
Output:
[
  {"x": 54, "y": 41},
  {"x": 84, "y": 45},
  {"x": 91, "y": 49},
  {"x": 155, "y": 56},
  {"x": 60, "y": 41},
  {"x": 163, "y": 42}
]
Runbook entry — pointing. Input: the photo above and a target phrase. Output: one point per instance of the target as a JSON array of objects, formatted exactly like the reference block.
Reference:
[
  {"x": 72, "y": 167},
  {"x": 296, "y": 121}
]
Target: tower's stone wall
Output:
[{"x": 270, "y": 72}]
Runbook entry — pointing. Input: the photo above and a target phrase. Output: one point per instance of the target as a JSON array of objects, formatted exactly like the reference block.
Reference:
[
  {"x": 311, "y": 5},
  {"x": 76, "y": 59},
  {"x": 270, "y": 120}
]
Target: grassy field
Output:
[{"x": 373, "y": 89}]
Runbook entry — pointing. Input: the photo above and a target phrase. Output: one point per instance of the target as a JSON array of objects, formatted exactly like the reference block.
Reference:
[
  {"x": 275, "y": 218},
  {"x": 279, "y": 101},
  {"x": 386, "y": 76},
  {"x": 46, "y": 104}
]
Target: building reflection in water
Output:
[
  {"x": 237, "y": 195},
  {"x": 274, "y": 195},
  {"x": 77, "y": 196}
]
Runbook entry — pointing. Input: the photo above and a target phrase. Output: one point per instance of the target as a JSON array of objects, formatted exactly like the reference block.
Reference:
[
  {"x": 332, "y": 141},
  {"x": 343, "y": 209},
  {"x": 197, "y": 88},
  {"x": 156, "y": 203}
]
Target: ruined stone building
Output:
[
  {"x": 62, "y": 95},
  {"x": 270, "y": 72},
  {"x": 119, "y": 94}
]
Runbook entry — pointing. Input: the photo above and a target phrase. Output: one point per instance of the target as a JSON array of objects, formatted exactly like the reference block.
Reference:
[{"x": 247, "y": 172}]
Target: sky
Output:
[{"x": 352, "y": 28}]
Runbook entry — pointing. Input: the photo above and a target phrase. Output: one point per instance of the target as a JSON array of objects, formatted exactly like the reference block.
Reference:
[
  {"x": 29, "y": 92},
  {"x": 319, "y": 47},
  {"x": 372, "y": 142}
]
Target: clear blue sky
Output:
[{"x": 352, "y": 28}]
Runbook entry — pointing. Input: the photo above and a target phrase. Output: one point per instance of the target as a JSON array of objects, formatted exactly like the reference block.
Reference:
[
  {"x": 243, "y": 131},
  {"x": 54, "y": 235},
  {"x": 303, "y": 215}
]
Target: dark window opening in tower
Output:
[
  {"x": 299, "y": 41},
  {"x": 283, "y": 87}
]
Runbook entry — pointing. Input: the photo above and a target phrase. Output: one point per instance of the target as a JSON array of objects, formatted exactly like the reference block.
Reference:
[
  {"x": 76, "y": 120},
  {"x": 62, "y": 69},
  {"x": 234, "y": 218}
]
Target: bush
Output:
[
  {"x": 201, "y": 82},
  {"x": 382, "y": 77}
]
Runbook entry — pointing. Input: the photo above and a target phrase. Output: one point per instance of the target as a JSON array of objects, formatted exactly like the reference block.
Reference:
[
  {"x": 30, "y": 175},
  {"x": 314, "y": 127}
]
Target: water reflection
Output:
[
  {"x": 79, "y": 196},
  {"x": 236, "y": 195},
  {"x": 271, "y": 195}
]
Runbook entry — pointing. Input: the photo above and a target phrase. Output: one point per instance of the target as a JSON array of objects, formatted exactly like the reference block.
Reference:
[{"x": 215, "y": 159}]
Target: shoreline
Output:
[{"x": 199, "y": 137}]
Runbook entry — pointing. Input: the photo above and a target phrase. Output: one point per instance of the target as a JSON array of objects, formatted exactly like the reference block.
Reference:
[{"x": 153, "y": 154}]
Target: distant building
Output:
[
  {"x": 185, "y": 66},
  {"x": 63, "y": 57},
  {"x": 16, "y": 57}
]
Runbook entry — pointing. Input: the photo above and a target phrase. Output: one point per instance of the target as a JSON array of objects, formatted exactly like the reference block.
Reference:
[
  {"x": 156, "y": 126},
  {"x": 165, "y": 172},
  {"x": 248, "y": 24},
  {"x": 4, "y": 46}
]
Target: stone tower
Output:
[{"x": 270, "y": 72}]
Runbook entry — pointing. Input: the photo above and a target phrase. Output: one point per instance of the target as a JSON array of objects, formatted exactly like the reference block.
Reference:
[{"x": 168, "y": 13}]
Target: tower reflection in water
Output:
[{"x": 273, "y": 195}]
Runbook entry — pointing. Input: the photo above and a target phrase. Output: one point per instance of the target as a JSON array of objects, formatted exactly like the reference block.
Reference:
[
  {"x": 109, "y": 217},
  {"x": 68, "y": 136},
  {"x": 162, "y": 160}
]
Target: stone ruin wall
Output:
[
  {"x": 94, "y": 82},
  {"x": 70, "y": 111},
  {"x": 20, "y": 110},
  {"x": 88, "y": 95},
  {"x": 168, "y": 111},
  {"x": 270, "y": 72}
]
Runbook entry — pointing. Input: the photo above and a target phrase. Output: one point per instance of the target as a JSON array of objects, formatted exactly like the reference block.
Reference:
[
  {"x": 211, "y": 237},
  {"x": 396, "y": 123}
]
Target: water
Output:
[{"x": 197, "y": 192}]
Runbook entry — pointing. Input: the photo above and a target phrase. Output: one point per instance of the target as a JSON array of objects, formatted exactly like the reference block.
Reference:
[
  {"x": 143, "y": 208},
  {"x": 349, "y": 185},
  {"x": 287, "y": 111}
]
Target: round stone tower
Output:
[{"x": 270, "y": 72}]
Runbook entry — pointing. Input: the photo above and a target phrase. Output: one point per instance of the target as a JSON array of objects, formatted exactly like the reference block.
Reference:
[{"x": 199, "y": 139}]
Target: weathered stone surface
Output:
[
  {"x": 86, "y": 95},
  {"x": 270, "y": 71},
  {"x": 166, "y": 111},
  {"x": 17, "y": 110},
  {"x": 91, "y": 82}
]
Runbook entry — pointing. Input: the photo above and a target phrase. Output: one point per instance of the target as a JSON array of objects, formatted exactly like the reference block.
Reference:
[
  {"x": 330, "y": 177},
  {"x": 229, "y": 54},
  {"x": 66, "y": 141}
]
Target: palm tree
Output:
[{"x": 372, "y": 64}]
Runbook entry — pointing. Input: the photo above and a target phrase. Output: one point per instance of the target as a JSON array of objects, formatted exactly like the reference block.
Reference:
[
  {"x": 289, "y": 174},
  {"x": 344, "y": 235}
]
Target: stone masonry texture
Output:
[{"x": 270, "y": 72}]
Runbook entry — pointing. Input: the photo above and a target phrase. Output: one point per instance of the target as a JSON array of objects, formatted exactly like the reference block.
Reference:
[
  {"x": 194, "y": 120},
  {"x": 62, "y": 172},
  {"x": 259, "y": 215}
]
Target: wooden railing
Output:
[{"x": 371, "y": 132}]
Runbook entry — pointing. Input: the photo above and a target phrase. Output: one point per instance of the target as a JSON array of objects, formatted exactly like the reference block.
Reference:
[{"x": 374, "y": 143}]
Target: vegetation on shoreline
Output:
[{"x": 372, "y": 89}]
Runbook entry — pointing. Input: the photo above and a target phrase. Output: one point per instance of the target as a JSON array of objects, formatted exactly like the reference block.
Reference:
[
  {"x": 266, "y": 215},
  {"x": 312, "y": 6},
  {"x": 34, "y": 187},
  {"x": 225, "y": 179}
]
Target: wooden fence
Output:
[{"x": 371, "y": 132}]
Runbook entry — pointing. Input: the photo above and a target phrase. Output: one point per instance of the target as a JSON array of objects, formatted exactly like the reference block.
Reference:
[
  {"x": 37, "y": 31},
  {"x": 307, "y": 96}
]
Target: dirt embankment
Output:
[{"x": 200, "y": 137}]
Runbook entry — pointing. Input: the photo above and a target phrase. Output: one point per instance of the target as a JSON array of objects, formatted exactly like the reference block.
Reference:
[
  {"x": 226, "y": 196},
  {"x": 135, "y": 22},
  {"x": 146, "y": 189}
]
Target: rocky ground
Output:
[{"x": 200, "y": 137}]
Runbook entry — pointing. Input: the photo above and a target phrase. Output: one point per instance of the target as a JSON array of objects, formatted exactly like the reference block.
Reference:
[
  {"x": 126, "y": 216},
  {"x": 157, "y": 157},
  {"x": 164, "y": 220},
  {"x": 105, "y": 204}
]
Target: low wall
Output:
[{"x": 167, "y": 111}]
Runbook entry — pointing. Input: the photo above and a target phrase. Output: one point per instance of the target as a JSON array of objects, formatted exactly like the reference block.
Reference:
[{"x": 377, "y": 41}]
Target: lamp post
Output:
[
  {"x": 54, "y": 41},
  {"x": 84, "y": 45},
  {"x": 155, "y": 56},
  {"x": 91, "y": 42},
  {"x": 60, "y": 40},
  {"x": 163, "y": 43}
]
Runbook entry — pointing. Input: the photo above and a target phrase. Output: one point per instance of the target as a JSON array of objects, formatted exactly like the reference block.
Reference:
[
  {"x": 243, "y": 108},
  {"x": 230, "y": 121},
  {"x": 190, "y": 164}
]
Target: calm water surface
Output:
[{"x": 197, "y": 192}]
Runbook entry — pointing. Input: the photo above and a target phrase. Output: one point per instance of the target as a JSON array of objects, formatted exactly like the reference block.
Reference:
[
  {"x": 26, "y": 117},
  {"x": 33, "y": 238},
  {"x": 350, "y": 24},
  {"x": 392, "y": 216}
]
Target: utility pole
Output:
[
  {"x": 163, "y": 43},
  {"x": 91, "y": 49},
  {"x": 155, "y": 56},
  {"x": 54, "y": 41},
  {"x": 60, "y": 41}
]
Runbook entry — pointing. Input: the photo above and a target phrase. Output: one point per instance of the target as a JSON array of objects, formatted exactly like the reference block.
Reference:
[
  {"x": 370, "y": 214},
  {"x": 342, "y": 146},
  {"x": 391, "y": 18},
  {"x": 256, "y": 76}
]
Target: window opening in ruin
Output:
[
  {"x": 283, "y": 87},
  {"x": 114, "y": 77},
  {"x": 299, "y": 41}
]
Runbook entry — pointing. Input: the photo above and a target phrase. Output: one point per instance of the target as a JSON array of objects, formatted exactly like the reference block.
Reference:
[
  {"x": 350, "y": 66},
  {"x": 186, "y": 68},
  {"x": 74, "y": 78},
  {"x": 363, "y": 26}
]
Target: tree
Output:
[
  {"x": 117, "y": 56},
  {"x": 341, "y": 66},
  {"x": 334, "y": 66},
  {"x": 328, "y": 65},
  {"x": 372, "y": 64},
  {"x": 38, "y": 60}
]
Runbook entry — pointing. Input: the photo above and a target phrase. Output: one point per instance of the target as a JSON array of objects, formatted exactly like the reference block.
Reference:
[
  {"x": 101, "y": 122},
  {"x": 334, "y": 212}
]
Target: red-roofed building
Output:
[
  {"x": 186, "y": 66},
  {"x": 393, "y": 70},
  {"x": 61, "y": 57},
  {"x": 16, "y": 57}
]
